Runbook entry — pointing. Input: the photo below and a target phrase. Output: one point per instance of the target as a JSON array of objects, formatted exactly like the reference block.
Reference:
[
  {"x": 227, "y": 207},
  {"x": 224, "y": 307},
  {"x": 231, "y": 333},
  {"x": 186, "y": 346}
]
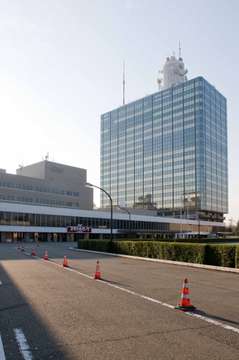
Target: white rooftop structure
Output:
[{"x": 173, "y": 73}]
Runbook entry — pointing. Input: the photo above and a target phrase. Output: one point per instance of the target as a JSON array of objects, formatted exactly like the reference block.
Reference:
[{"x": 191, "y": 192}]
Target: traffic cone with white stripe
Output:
[
  {"x": 45, "y": 257},
  {"x": 97, "y": 271},
  {"x": 65, "y": 262},
  {"x": 185, "y": 304}
]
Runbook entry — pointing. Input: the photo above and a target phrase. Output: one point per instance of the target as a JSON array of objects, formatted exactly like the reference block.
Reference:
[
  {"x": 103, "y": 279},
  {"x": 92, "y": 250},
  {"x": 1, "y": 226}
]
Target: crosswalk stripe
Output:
[
  {"x": 2, "y": 353},
  {"x": 23, "y": 345}
]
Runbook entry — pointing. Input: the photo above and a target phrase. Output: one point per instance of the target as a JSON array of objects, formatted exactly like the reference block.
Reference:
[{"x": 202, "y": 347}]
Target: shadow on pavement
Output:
[
  {"x": 215, "y": 317},
  {"x": 115, "y": 282},
  {"x": 17, "y": 313}
]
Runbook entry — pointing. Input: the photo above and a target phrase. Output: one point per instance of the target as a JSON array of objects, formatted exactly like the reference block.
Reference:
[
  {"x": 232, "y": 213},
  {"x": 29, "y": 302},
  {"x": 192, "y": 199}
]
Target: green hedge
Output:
[
  {"x": 237, "y": 257},
  {"x": 207, "y": 240},
  {"x": 219, "y": 255},
  {"x": 217, "y": 241}
]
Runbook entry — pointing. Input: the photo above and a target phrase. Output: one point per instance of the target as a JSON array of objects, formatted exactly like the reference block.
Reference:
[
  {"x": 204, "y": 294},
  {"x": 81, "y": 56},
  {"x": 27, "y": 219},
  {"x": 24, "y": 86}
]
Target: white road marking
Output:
[
  {"x": 0, "y": 282},
  {"x": 138, "y": 295},
  {"x": 23, "y": 345},
  {"x": 201, "y": 317},
  {"x": 73, "y": 270},
  {"x": 59, "y": 265},
  {"x": 212, "y": 321},
  {"x": 192, "y": 314},
  {"x": 2, "y": 353}
]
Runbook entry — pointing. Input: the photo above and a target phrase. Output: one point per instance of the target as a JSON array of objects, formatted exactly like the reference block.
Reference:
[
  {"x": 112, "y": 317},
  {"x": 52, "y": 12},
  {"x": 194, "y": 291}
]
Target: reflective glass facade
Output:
[{"x": 168, "y": 150}]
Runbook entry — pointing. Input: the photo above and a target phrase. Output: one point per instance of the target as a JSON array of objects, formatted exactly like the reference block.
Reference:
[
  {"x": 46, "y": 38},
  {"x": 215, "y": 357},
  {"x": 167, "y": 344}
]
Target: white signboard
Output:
[{"x": 78, "y": 229}]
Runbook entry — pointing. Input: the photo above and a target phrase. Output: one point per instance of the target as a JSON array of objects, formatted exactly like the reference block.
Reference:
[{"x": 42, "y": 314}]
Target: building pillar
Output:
[
  {"x": 48, "y": 237},
  {"x": 3, "y": 237},
  {"x": 26, "y": 237}
]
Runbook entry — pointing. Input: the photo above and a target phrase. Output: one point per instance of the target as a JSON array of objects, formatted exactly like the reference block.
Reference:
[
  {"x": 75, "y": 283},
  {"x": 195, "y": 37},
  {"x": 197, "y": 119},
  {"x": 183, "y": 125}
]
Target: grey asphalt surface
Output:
[{"x": 65, "y": 315}]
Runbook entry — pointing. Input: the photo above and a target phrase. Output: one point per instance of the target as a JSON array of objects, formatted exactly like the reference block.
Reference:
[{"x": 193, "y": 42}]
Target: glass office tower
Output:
[{"x": 168, "y": 151}]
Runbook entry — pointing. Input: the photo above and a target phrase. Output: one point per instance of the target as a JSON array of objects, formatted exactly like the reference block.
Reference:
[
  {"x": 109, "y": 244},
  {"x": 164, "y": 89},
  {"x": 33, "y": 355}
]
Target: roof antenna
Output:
[
  {"x": 179, "y": 50},
  {"x": 124, "y": 83}
]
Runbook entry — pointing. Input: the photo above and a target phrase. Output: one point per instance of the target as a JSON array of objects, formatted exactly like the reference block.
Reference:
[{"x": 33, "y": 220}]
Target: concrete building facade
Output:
[
  {"x": 47, "y": 183},
  {"x": 27, "y": 222},
  {"x": 49, "y": 202}
]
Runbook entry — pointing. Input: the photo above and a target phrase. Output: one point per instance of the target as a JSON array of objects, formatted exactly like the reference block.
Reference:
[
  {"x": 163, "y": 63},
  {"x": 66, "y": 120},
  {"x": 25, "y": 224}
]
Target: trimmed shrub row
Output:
[
  {"x": 219, "y": 255},
  {"x": 237, "y": 257},
  {"x": 200, "y": 240},
  {"x": 204, "y": 240}
]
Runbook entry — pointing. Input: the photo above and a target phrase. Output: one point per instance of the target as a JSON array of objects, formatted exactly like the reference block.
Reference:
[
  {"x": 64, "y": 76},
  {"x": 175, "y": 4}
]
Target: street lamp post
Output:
[
  {"x": 199, "y": 224},
  {"x": 181, "y": 221},
  {"x": 128, "y": 212},
  {"x": 111, "y": 207},
  {"x": 182, "y": 212}
]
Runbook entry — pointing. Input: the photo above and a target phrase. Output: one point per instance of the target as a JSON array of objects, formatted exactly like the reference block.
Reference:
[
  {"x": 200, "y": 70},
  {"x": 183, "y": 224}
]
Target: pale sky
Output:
[{"x": 61, "y": 68}]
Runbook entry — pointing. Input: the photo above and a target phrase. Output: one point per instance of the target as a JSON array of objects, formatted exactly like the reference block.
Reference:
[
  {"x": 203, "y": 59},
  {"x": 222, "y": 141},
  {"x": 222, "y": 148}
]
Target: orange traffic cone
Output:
[
  {"x": 185, "y": 303},
  {"x": 45, "y": 257},
  {"x": 97, "y": 271},
  {"x": 33, "y": 252},
  {"x": 65, "y": 262}
]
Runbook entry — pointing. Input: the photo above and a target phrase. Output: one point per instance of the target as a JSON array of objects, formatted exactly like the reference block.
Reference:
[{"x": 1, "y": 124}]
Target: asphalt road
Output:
[{"x": 48, "y": 312}]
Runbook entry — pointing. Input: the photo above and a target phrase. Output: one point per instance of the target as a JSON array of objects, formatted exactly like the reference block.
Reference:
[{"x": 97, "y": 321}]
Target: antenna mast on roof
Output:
[
  {"x": 124, "y": 83},
  {"x": 179, "y": 50}
]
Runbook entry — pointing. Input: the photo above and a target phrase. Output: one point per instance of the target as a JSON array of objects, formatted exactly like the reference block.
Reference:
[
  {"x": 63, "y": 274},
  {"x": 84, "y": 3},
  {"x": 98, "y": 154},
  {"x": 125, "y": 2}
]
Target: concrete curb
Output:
[{"x": 170, "y": 262}]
